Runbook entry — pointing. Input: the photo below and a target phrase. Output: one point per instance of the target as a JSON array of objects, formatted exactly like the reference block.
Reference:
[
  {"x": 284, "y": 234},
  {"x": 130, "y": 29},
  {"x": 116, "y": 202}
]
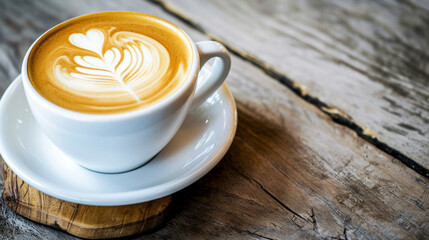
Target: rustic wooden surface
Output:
[
  {"x": 292, "y": 171},
  {"x": 92, "y": 222},
  {"x": 367, "y": 60}
]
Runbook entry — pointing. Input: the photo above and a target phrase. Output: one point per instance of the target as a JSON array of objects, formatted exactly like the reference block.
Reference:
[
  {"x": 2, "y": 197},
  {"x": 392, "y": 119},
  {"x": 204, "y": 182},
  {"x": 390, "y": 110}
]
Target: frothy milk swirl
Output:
[
  {"x": 107, "y": 63},
  {"x": 131, "y": 68}
]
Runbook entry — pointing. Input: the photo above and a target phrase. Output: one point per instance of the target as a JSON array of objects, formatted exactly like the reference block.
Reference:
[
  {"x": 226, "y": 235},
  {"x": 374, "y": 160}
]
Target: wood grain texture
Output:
[
  {"x": 92, "y": 222},
  {"x": 367, "y": 60},
  {"x": 291, "y": 172}
]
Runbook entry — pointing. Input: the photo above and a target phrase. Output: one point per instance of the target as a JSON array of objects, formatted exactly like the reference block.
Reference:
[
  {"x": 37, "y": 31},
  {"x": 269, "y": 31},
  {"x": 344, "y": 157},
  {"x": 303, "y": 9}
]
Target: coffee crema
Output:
[{"x": 110, "y": 62}]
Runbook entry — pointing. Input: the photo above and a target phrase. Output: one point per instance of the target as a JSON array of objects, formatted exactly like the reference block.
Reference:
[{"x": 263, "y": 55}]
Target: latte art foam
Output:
[
  {"x": 134, "y": 70},
  {"x": 103, "y": 65}
]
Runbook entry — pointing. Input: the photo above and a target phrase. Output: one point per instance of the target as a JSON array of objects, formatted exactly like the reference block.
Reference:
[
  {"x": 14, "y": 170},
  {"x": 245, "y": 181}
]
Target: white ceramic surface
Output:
[
  {"x": 198, "y": 146},
  {"x": 97, "y": 141}
]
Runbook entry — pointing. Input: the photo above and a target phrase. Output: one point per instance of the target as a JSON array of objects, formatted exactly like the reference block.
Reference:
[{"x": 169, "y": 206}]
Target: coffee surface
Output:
[{"x": 110, "y": 62}]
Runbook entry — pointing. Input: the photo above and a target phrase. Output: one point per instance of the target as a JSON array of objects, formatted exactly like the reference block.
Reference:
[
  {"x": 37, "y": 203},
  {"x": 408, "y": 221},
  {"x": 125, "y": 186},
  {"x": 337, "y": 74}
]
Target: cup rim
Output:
[{"x": 105, "y": 117}]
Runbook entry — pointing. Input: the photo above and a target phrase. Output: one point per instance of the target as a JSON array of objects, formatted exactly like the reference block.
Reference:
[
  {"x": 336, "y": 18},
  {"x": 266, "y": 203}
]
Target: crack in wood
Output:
[
  {"x": 345, "y": 233},
  {"x": 280, "y": 202},
  {"x": 336, "y": 115},
  {"x": 313, "y": 217},
  {"x": 254, "y": 233},
  {"x": 294, "y": 214},
  {"x": 250, "y": 233}
]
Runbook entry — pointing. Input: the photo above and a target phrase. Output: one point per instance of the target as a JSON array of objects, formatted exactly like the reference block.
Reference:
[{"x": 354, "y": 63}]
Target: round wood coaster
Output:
[{"x": 84, "y": 221}]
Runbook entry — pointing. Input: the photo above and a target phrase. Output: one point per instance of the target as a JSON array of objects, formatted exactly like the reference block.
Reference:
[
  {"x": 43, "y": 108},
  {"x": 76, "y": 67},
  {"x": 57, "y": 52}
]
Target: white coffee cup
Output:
[{"x": 112, "y": 143}]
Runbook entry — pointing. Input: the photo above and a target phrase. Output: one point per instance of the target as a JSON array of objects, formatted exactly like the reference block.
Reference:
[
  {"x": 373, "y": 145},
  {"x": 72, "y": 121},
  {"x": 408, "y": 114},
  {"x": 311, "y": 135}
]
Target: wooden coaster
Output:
[{"x": 84, "y": 221}]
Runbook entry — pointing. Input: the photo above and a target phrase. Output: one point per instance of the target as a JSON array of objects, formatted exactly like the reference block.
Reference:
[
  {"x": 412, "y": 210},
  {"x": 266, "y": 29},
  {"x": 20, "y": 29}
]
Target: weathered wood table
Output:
[{"x": 333, "y": 107}]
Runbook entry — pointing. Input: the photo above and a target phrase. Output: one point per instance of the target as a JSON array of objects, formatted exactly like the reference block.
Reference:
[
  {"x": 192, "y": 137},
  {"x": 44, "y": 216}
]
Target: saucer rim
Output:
[{"x": 116, "y": 198}]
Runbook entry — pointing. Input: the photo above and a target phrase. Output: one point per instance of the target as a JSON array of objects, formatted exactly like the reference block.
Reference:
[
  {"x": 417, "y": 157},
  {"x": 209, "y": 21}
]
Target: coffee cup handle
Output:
[{"x": 210, "y": 79}]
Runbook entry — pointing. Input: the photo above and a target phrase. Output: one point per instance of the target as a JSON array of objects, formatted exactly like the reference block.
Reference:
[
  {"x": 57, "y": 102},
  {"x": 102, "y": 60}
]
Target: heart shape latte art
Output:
[
  {"x": 121, "y": 65},
  {"x": 93, "y": 40}
]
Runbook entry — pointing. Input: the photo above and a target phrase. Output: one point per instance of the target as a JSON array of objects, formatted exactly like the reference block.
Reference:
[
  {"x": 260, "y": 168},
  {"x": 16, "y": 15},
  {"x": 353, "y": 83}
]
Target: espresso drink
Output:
[{"x": 110, "y": 62}]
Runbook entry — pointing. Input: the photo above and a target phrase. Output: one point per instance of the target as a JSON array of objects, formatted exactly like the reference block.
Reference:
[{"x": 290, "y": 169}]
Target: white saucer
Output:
[{"x": 200, "y": 144}]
